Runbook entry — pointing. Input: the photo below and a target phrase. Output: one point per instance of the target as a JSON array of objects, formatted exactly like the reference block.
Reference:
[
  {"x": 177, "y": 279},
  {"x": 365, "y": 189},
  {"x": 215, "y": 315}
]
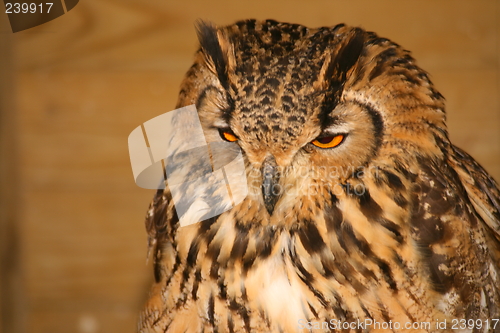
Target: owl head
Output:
[{"x": 316, "y": 112}]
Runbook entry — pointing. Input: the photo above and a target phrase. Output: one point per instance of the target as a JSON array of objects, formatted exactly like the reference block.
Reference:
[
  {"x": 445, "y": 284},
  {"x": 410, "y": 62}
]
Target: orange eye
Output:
[
  {"x": 228, "y": 136},
  {"x": 329, "y": 141}
]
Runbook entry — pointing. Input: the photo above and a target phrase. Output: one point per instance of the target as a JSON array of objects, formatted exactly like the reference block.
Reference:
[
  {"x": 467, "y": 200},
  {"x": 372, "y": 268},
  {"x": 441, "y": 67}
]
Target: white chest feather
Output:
[{"x": 278, "y": 293}]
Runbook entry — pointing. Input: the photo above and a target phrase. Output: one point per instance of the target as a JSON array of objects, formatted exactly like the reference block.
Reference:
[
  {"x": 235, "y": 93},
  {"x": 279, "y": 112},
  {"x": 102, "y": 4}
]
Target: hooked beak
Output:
[{"x": 271, "y": 190}]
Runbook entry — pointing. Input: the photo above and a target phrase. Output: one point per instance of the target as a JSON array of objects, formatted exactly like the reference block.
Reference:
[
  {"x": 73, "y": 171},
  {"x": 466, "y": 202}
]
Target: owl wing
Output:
[
  {"x": 161, "y": 224},
  {"x": 456, "y": 225},
  {"x": 483, "y": 193}
]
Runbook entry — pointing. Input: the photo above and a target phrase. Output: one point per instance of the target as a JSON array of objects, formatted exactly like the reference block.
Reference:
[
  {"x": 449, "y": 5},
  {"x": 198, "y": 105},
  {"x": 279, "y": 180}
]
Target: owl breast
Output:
[{"x": 276, "y": 291}]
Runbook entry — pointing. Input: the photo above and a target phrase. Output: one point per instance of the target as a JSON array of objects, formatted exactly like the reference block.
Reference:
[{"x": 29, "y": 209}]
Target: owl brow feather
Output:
[
  {"x": 213, "y": 45},
  {"x": 218, "y": 50},
  {"x": 348, "y": 55},
  {"x": 333, "y": 74}
]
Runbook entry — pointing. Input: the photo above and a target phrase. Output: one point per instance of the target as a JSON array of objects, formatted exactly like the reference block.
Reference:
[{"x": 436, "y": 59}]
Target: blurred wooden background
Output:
[{"x": 72, "y": 241}]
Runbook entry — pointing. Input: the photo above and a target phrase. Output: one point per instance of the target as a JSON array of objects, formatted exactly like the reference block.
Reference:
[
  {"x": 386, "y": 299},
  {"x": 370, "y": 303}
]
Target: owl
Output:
[{"x": 360, "y": 215}]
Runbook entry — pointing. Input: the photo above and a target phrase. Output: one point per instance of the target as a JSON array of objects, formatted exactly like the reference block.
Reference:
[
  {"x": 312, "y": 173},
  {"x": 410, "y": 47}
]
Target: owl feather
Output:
[{"x": 377, "y": 222}]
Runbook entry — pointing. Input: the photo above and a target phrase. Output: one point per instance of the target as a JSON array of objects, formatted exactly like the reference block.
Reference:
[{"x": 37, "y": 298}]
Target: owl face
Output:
[{"x": 313, "y": 110}]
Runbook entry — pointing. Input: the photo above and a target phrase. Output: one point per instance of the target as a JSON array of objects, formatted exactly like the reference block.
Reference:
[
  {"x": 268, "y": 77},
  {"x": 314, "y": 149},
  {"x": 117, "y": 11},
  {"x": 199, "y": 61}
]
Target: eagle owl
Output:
[{"x": 360, "y": 216}]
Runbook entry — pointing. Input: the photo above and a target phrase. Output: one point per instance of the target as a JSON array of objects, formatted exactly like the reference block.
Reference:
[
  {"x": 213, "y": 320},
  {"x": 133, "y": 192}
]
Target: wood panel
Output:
[
  {"x": 11, "y": 288},
  {"x": 84, "y": 215},
  {"x": 83, "y": 82}
]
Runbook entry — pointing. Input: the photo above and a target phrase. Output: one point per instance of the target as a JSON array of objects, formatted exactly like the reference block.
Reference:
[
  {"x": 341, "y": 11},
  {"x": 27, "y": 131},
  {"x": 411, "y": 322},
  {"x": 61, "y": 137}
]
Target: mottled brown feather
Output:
[{"x": 394, "y": 225}]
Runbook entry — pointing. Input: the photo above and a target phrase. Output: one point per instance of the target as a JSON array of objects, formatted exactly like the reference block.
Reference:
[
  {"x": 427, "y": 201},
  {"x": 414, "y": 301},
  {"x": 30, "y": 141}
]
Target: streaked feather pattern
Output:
[{"x": 395, "y": 225}]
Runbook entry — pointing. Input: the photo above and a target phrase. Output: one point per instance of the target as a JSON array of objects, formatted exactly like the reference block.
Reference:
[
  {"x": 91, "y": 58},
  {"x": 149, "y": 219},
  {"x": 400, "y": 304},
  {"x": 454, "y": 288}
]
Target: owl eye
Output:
[
  {"x": 330, "y": 141},
  {"x": 227, "y": 135}
]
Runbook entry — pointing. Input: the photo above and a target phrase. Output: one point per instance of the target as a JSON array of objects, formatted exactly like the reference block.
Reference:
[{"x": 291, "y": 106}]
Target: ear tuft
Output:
[
  {"x": 217, "y": 49},
  {"x": 334, "y": 70}
]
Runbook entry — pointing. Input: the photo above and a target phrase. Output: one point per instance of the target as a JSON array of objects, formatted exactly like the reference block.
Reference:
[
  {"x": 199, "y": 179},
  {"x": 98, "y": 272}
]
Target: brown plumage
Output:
[{"x": 392, "y": 224}]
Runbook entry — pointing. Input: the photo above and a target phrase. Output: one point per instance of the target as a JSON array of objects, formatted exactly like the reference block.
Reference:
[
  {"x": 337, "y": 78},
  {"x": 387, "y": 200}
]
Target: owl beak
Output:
[{"x": 271, "y": 190}]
